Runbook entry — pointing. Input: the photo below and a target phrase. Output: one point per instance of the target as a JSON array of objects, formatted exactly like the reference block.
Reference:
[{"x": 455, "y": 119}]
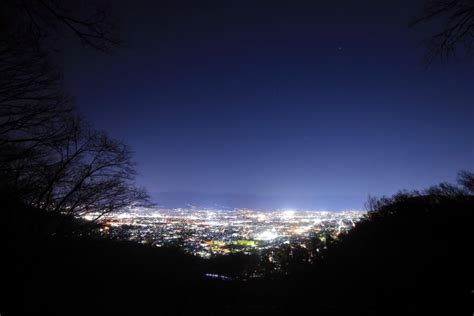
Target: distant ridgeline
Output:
[{"x": 259, "y": 202}]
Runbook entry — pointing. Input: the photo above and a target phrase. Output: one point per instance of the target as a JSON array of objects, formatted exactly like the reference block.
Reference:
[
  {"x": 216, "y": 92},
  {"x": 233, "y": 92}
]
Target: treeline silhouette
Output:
[
  {"x": 50, "y": 157},
  {"x": 411, "y": 255}
]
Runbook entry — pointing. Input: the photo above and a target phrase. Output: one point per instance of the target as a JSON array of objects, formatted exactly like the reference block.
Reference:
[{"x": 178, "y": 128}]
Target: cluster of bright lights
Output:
[
  {"x": 207, "y": 232},
  {"x": 266, "y": 235}
]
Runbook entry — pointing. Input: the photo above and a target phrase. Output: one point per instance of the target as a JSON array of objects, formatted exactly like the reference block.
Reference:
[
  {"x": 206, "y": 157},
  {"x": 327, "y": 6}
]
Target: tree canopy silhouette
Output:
[
  {"x": 47, "y": 21},
  {"x": 49, "y": 156},
  {"x": 410, "y": 253},
  {"x": 456, "y": 33}
]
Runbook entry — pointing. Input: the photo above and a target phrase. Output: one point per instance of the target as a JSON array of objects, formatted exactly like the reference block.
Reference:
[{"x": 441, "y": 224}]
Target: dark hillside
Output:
[
  {"x": 413, "y": 255},
  {"x": 68, "y": 274},
  {"x": 410, "y": 255}
]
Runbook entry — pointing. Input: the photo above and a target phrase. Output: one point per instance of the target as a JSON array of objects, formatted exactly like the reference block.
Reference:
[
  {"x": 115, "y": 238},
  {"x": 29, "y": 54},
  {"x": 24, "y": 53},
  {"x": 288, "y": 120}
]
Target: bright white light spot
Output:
[
  {"x": 266, "y": 235},
  {"x": 289, "y": 213},
  {"x": 88, "y": 217}
]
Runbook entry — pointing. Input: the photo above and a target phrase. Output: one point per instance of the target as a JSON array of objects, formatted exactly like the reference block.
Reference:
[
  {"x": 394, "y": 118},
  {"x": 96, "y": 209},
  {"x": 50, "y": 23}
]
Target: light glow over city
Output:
[{"x": 208, "y": 232}]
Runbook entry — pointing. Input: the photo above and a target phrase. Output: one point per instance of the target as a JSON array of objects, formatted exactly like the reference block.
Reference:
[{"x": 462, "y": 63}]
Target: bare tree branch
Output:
[
  {"x": 49, "y": 157},
  {"x": 48, "y": 20},
  {"x": 457, "y": 33}
]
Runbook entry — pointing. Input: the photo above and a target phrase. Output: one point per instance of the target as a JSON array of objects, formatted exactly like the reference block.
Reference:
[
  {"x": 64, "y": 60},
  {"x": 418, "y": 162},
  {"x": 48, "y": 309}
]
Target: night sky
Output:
[{"x": 297, "y": 105}]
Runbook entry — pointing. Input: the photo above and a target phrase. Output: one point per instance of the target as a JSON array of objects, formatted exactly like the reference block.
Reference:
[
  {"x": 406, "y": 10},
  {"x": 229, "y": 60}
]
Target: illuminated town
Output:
[{"x": 207, "y": 232}]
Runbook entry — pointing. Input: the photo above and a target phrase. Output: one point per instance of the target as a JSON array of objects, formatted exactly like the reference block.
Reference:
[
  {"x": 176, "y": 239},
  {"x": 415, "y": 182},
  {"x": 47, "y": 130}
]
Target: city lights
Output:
[
  {"x": 206, "y": 232},
  {"x": 266, "y": 235}
]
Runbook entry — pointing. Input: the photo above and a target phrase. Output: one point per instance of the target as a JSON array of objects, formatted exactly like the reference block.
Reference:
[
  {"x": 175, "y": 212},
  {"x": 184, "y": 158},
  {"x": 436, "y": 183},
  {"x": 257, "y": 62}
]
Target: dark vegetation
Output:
[
  {"x": 412, "y": 253},
  {"x": 408, "y": 256},
  {"x": 50, "y": 158},
  {"x": 455, "y": 34}
]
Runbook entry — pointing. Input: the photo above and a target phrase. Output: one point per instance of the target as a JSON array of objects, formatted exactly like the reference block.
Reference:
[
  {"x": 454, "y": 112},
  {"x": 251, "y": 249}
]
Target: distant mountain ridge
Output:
[{"x": 231, "y": 201}]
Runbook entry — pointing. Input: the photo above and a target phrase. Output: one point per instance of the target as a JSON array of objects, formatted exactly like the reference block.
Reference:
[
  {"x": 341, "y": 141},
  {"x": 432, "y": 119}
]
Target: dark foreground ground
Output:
[{"x": 412, "y": 260}]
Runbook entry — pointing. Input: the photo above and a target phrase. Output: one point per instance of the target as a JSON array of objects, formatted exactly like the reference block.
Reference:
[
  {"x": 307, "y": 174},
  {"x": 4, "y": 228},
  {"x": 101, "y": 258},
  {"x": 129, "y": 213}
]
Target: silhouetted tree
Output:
[
  {"x": 410, "y": 254},
  {"x": 34, "y": 112},
  {"x": 384, "y": 206},
  {"x": 466, "y": 180},
  {"x": 457, "y": 30},
  {"x": 49, "y": 157},
  {"x": 46, "y": 21},
  {"x": 88, "y": 172}
]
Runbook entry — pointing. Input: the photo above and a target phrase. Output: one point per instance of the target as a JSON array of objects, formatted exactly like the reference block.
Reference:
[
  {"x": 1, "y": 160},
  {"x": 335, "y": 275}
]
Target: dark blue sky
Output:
[{"x": 303, "y": 105}]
